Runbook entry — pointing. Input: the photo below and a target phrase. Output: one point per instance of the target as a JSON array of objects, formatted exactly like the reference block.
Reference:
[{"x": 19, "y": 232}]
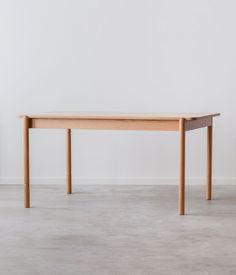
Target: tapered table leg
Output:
[
  {"x": 68, "y": 161},
  {"x": 209, "y": 163},
  {"x": 182, "y": 167},
  {"x": 26, "y": 162}
]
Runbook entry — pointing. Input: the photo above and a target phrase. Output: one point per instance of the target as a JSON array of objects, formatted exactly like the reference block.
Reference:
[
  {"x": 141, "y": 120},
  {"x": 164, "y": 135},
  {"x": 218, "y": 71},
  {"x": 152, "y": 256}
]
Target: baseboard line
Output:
[{"x": 120, "y": 180}]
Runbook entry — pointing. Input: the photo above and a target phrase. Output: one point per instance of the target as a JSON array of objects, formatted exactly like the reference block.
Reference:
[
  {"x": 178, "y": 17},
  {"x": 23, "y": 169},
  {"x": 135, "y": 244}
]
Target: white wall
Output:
[{"x": 126, "y": 55}]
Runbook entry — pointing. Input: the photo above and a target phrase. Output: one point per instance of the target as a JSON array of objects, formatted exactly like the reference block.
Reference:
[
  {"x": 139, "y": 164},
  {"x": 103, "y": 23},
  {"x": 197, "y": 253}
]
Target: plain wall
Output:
[{"x": 126, "y": 55}]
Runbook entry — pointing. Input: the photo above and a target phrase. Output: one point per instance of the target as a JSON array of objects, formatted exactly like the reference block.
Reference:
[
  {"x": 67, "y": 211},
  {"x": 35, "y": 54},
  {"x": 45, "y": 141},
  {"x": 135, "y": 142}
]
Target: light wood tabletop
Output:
[
  {"x": 117, "y": 115},
  {"x": 180, "y": 122}
]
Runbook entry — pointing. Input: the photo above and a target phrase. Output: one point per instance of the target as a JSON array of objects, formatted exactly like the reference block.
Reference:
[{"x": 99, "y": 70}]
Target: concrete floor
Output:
[{"x": 117, "y": 230}]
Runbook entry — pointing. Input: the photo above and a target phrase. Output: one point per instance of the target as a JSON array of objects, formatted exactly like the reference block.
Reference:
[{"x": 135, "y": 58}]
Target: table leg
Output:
[
  {"x": 68, "y": 161},
  {"x": 209, "y": 163},
  {"x": 182, "y": 167},
  {"x": 26, "y": 162}
]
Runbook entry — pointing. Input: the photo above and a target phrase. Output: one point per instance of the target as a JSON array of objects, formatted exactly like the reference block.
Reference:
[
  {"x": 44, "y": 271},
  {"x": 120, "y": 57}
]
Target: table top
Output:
[{"x": 121, "y": 116}]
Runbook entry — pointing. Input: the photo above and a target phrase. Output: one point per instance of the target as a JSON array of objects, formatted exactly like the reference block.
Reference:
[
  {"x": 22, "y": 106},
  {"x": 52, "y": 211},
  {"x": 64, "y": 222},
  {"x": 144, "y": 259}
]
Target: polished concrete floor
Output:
[{"x": 117, "y": 230}]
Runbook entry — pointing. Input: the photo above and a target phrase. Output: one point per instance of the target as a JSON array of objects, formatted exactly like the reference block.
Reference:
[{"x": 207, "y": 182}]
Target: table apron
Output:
[
  {"x": 117, "y": 124},
  {"x": 198, "y": 123},
  {"x": 104, "y": 124}
]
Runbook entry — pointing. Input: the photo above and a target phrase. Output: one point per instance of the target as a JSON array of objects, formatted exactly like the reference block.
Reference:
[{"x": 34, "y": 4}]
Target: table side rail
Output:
[
  {"x": 103, "y": 124},
  {"x": 198, "y": 123}
]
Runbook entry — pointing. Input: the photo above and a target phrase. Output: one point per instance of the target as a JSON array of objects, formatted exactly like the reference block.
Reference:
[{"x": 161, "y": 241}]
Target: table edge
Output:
[{"x": 112, "y": 117}]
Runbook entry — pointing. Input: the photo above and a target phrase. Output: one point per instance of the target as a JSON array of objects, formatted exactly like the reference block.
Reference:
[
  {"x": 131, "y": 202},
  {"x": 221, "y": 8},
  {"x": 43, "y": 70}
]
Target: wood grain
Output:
[
  {"x": 26, "y": 173},
  {"x": 209, "y": 163},
  {"x": 68, "y": 161},
  {"x": 104, "y": 124},
  {"x": 182, "y": 166}
]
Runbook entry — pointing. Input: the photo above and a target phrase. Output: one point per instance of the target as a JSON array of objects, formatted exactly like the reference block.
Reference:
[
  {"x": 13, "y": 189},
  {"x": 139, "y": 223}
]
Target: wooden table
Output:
[{"x": 121, "y": 121}]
